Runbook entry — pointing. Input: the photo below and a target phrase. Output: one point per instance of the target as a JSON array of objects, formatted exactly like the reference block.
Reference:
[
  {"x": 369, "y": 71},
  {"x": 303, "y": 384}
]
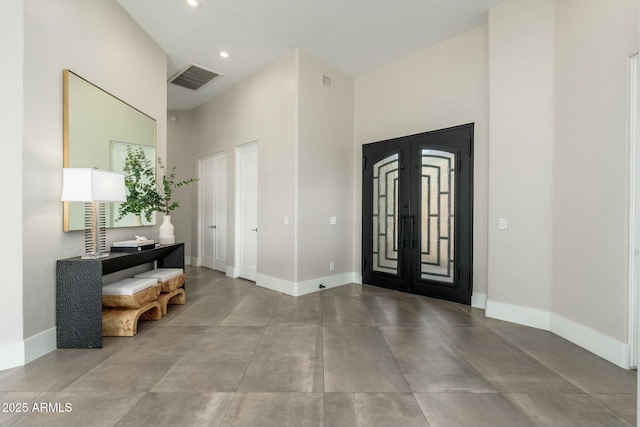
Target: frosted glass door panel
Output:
[
  {"x": 385, "y": 215},
  {"x": 437, "y": 215}
]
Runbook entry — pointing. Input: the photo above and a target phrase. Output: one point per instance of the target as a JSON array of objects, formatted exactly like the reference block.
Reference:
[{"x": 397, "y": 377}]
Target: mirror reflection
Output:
[{"x": 98, "y": 127}]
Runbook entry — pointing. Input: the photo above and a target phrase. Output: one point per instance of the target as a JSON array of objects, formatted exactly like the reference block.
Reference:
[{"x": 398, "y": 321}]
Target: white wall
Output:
[
  {"x": 11, "y": 123},
  {"x": 594, "y": 41},
  {"x": 521, "y": 53},
  {"x": 261, "y": 108},
  {"x": 440, "y": 87},
  {"x": 99, "y": 41},
  {"x": 325, "y": 162}
]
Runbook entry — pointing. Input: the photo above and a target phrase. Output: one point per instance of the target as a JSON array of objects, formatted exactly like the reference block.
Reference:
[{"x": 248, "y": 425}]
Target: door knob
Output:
[
  {"x": 254, "y": 229},
  {"x": 212, "y": 226}
]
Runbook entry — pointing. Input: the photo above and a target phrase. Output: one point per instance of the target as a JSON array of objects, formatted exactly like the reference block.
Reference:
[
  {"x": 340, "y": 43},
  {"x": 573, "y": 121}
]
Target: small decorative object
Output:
[
  {"x": 166, "y": 231},
  {"x": 169, "y": 183},
  {"x": 140, "y": 180},
  {"x": 93, "y": 186},
  {"x": 141, "y": 243}
]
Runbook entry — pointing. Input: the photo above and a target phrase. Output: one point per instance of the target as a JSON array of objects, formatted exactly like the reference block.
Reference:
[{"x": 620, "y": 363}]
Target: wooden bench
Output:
[
  {"x": 171, "y": 281},
  {"x": 127, "y": 301}
]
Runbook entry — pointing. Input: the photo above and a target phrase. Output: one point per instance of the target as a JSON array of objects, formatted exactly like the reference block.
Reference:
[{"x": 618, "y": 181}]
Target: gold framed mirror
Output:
[{"x": 98, "y": 128}]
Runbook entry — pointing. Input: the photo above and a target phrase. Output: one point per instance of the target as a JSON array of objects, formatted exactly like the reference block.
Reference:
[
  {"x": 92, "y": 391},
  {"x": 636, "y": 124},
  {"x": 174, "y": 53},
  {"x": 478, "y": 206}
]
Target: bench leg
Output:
[
  {"x": 123, "y": 322},
  {"x": 179, "y": 296}
]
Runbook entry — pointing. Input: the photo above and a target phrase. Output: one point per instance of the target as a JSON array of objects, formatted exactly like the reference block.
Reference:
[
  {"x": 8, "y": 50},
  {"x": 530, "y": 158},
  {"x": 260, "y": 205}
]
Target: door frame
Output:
[
  {"x": 634, "y": 208},
  {"x": 238, "y": 206},
  {"x": 201, "y": 160}
]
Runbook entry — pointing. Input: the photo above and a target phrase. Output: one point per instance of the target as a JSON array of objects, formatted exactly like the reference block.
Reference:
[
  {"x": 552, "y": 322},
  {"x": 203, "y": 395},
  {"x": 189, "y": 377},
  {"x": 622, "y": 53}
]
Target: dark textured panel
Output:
[
  {"x": 79, "y": 303},
  {"x": 174, "y": 258}
]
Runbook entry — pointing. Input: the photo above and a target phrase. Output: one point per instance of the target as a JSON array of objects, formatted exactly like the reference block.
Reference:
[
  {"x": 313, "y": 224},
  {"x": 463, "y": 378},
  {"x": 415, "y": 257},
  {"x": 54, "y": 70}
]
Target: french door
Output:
[{"x": 417, "y": 212}]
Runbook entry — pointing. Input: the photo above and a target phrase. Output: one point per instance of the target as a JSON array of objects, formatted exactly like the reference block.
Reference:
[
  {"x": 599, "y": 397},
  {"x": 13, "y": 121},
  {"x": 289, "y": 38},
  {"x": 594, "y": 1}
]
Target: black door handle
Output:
[{"x": 412, "y": 223}]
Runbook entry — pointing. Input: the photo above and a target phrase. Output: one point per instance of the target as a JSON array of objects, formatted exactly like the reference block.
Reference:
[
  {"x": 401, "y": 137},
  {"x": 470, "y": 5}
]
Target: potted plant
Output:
[
  {"x": 165, "y": 205},
  {"x": 140, "y": 181}
]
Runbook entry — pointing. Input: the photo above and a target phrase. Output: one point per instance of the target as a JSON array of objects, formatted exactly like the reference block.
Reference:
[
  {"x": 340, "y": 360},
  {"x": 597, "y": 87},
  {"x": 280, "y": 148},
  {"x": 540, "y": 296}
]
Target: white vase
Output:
[
  {"x": 167, "y": 236},
  {"x": 137, "y": 222}
]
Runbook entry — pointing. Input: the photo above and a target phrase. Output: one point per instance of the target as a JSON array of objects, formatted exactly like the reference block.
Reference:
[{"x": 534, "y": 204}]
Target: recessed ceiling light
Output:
[
  {"x": 224, "y": 54},
  {"x": 194, "y": 3}
]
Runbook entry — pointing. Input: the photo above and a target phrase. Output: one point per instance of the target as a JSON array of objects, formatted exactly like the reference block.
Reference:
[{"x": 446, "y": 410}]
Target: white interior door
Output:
[
  {"x": 213, "y": 212},
  {"x": 247, "y": 212}
]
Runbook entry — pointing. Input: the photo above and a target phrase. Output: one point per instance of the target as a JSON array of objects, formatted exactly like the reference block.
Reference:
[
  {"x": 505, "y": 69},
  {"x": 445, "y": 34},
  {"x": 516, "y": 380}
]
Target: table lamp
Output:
[{"x": 93, "y": 186}]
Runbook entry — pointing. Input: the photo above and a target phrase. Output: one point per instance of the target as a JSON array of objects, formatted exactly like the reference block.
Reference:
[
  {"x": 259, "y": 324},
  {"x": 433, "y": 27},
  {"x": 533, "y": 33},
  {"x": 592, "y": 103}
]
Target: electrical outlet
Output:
[
  {"x": 332, "y": 266},
  {"x": 332, "y": 220},
  {"x": 503, "y": 223},
  {"x": 286, "y": 220}
]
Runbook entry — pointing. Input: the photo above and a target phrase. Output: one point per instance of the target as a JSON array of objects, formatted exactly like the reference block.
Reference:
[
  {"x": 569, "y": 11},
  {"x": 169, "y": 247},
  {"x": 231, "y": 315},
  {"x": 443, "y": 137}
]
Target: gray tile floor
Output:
[{"x": 240, "y": 355}]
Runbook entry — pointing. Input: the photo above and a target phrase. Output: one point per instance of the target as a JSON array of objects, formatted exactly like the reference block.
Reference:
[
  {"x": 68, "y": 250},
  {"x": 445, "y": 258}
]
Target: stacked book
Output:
[{"x": 132, "y": 245}]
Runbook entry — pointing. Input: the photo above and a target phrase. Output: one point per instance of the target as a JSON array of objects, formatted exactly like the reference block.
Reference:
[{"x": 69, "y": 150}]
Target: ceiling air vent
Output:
[{"x": 193, "y": 77}]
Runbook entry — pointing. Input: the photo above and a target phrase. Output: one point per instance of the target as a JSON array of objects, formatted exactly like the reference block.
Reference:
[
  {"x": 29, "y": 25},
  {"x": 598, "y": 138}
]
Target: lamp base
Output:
[{"x": 95, "y": 256}]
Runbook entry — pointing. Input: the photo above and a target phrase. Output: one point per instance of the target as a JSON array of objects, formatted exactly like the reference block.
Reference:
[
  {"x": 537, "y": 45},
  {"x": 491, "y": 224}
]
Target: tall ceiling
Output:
[{"x": 353, "y": 36}]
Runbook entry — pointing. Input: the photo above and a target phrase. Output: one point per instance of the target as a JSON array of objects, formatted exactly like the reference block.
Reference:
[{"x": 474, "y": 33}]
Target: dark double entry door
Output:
[{"x": 417, "y": 208}]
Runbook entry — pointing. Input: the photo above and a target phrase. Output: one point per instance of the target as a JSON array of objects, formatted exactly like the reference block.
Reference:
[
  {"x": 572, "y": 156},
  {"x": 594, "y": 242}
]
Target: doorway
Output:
[
  {"x": 247, "y": 210},
  {"x": 417, "y": 212},
  {"x": 212, "y": 173}
]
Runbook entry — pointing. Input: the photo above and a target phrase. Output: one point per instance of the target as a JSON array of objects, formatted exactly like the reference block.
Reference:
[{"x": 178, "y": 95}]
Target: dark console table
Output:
[{"x": 79, "y": 291}]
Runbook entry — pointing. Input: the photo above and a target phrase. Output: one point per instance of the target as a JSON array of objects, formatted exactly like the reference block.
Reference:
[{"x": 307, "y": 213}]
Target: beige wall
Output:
[
  {"x": 590, "y": 199},
  {"x": 304, "y": 133},
  {"x": 101, "y": 42},
  {"x": 325, "y": 162},
  {"x": 521, "y": 49},
  {"x": 262, "y": 108},
  {"x": 443, "y": 86},
  {"x": 11, "y": 123},
  {"x": 559, "y": 172},
  {"x": 184, "y": 218}
]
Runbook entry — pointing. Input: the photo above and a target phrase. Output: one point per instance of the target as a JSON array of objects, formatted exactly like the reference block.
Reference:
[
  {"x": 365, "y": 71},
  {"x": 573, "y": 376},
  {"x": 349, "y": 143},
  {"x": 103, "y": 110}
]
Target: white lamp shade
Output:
[{"x": 92, "y": 185}]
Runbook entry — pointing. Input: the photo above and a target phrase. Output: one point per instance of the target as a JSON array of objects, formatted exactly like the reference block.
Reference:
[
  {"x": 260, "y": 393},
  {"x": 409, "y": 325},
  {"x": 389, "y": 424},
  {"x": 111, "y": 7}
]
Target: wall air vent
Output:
[
  {"x": 326, "y": 80},
  {"x": 194, "y": 77}
]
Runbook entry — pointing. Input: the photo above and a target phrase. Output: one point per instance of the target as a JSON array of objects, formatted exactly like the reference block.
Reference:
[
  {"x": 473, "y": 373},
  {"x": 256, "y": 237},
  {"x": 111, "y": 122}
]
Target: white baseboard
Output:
[
  {"x": 311, "y": 286},
  {"x": 517, "y": 314},
  {"x": 608, "y": 348},
  {"x": 22, "y": 352},
  {"x": 39, "y": 345},
  {"x": 479, "y": 300},
  {"x": 231, "y": 272},
  {"x": 11, "y": 355},
  {"x": 275, "y": 284},
  {"x": 192, "y": 260},
  {"x": 305, "y": 287}
]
